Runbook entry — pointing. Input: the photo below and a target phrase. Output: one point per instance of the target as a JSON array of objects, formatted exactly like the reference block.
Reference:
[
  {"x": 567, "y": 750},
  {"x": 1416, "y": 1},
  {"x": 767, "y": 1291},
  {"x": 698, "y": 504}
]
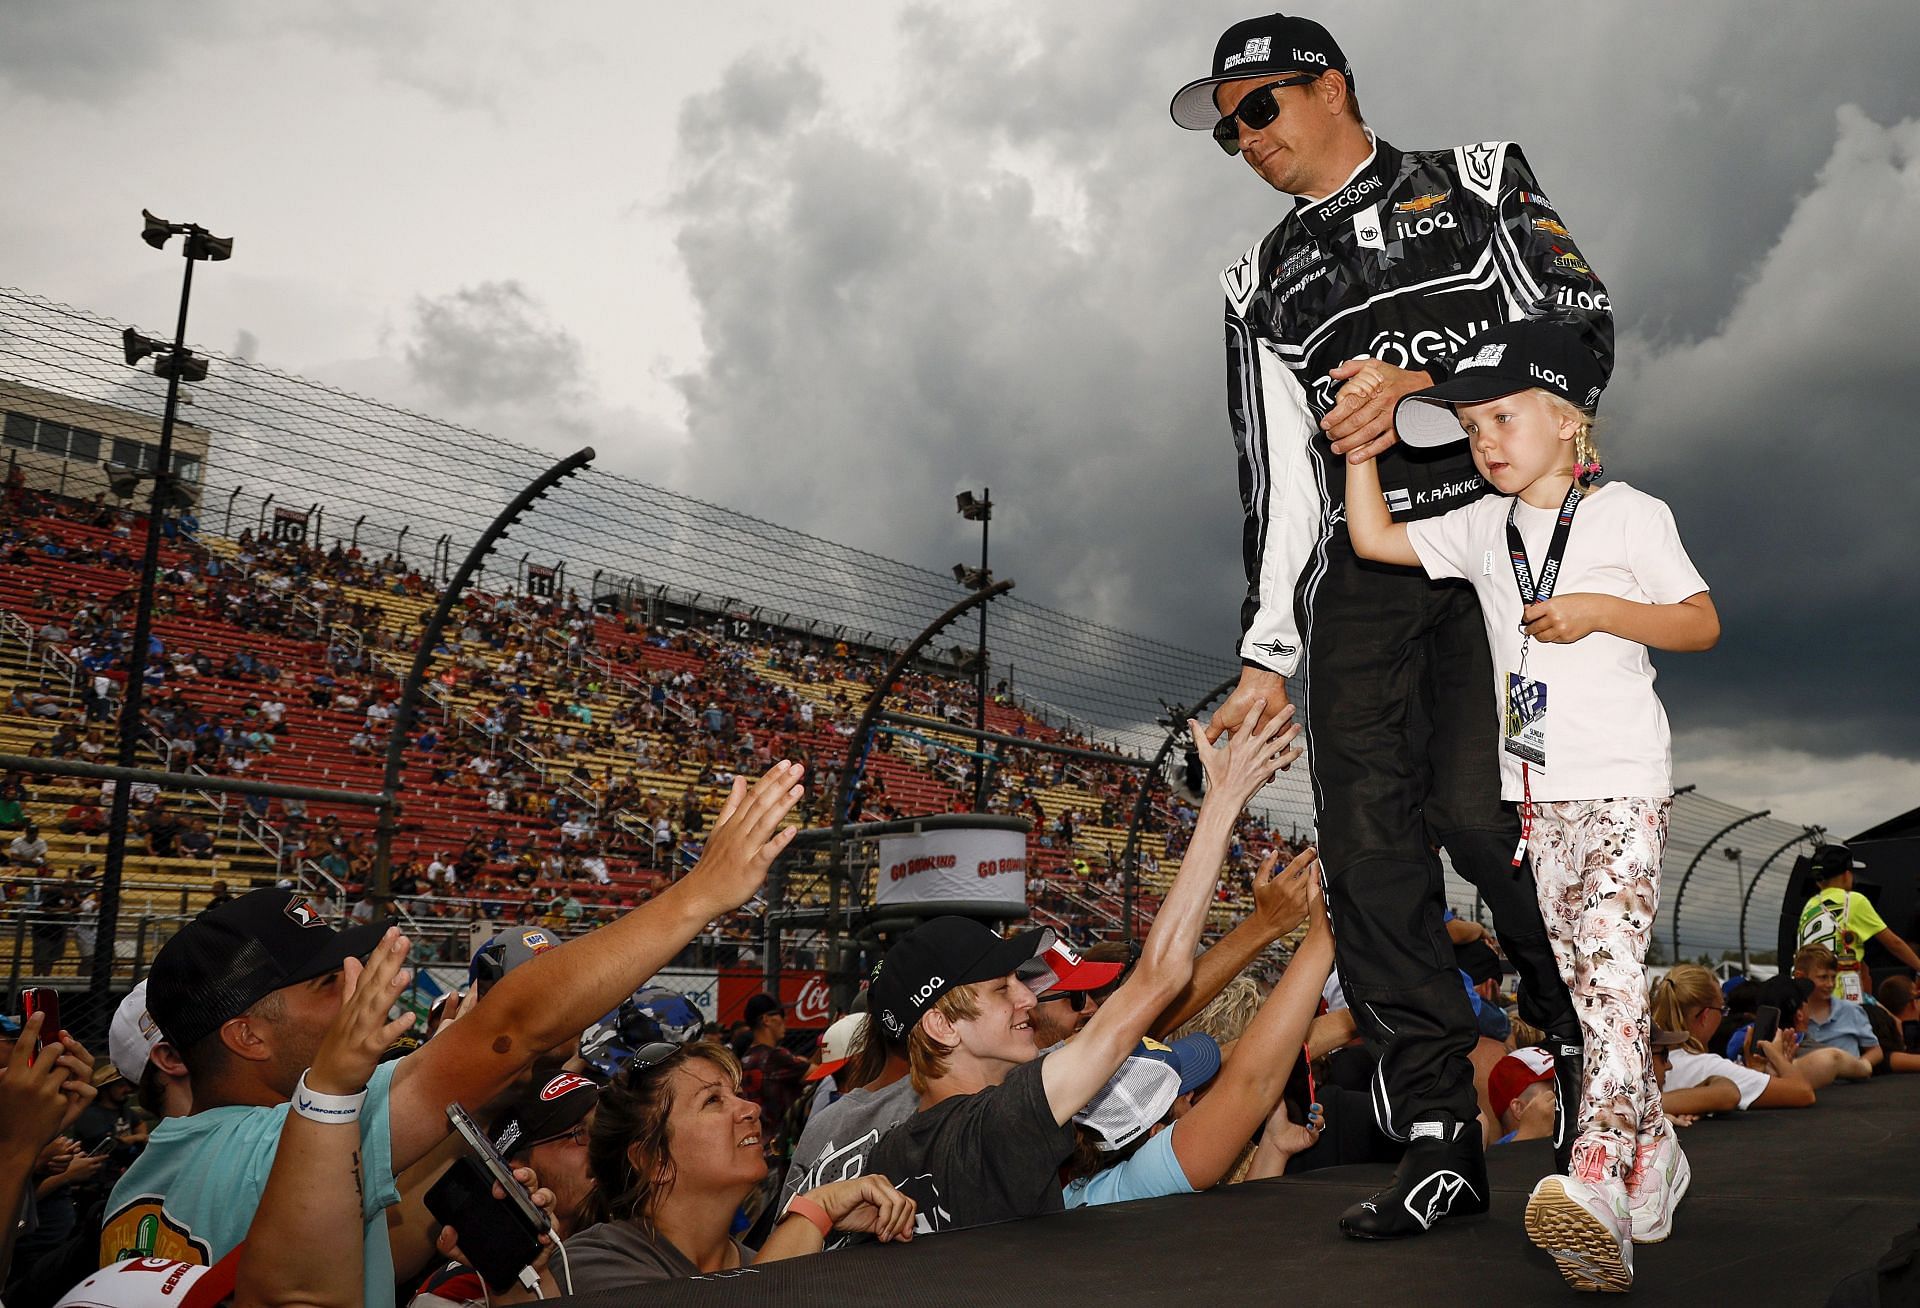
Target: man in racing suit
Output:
[{"x": 1387, "y": 262}]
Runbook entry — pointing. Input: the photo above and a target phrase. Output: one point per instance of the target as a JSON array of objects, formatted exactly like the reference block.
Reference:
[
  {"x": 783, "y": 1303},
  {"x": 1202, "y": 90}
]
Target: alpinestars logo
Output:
[
  {"x": 1433, "y": 1198},
  {"x": 303, "y": 913},
  {"x": 1479, "y": 165},
  {"x": 1278, "y": 649},
  {"x": 1258, "y": 50}
]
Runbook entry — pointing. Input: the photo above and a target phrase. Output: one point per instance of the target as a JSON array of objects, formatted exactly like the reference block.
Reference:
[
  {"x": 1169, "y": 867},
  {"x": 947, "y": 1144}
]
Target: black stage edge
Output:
[{"x": 1784, "y": 1205}]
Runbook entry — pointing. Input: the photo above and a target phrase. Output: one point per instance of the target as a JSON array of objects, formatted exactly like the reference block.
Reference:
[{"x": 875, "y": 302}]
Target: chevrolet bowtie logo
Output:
[{"x": 1433, "y": 1198}]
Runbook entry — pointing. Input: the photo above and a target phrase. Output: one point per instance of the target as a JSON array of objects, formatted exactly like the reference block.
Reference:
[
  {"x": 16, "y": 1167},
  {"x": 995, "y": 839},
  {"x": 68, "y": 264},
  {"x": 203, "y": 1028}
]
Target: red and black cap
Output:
[
  {"x": 234, "y": 955},
  {"x": 1532, "y": 353},
  {"x": 1276, "y": 44},
  {"x": 544, "y": 1114},
  {"x": 935, "y": 957}
]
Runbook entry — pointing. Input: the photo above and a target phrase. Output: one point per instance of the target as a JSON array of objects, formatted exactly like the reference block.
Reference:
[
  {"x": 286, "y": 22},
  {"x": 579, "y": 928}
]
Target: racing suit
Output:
[{"x": 1415, "y": 254}]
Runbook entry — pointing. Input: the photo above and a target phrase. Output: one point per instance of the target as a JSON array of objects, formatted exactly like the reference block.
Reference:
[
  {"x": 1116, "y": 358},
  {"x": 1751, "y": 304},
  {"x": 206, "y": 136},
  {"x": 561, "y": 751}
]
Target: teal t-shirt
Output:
[{"x": 192, "y": 1194}]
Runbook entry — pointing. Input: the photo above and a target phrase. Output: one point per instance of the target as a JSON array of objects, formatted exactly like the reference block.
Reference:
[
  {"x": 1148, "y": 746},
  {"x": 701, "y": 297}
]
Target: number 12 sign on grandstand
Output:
[{"x": 979, "y": 870}]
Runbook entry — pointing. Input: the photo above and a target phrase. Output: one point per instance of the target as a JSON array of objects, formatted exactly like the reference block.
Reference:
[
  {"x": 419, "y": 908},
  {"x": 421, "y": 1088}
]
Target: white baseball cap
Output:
[
  {"x": 154, "y": 1283},
  {"x": 132, "y": 1035},
  {"x": 836, "y": 1044}
]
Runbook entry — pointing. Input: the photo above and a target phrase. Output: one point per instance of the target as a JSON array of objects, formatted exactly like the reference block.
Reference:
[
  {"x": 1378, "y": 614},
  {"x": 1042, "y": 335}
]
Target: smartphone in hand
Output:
[
  {"x": 1766, "y": 1025},
  {"x": 41, "y": 999}
]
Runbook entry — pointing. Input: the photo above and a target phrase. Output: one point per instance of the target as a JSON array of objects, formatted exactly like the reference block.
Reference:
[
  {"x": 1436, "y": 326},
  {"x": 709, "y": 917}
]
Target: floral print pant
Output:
[{"x": 1596, "y": 863}]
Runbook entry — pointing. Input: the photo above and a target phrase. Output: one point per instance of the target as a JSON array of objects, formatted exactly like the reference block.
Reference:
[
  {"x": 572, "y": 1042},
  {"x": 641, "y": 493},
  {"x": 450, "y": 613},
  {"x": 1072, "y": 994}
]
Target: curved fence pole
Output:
[
  {"x": 1813, "y": 834},
  {"x": 857, "y": 748},
  {"x": 1681, "y": 894},
  {"x": 381, "y": 888},
  {"x": 1143, "y": 803}
]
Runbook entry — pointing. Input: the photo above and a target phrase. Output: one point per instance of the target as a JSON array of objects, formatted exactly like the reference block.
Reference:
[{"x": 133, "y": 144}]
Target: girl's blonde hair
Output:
[
  {"x": 1228, "y": 1016},
  {"x": 1687, "y": 986},
  {"x": 1586, "y": 455}
]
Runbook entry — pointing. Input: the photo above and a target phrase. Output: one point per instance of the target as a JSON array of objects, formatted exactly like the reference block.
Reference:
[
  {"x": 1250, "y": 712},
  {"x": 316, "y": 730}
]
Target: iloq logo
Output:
[
  {"x": 1548, "y": 376},
  {"x": 927, "y": 991},
  {"x": 1424, "y": 226},
  {"x": 1309, "y": 57}
]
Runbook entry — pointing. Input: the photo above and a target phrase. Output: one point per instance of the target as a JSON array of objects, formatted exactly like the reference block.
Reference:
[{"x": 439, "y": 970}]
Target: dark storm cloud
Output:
[
  {"x": 894, "y": 312},
  {"x": 491, "y": 343}
]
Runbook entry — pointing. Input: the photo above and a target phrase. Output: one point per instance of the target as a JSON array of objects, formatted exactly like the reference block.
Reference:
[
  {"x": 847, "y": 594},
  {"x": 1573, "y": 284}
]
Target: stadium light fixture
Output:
[
  {"x": 200, "y": 243},
  {"x": 972, "y": 578},
  {"x": 166, "y": 358},
  {"x": 122, "y": 481},
  {"x": 972, "y": 509}
]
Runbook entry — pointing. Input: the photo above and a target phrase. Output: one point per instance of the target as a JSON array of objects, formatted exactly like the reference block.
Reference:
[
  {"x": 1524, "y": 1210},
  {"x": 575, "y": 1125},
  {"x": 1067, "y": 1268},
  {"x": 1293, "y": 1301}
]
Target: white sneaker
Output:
[
  {"x": 1661, "y": 1175},
  {"x": 1587, "y": 1229}
]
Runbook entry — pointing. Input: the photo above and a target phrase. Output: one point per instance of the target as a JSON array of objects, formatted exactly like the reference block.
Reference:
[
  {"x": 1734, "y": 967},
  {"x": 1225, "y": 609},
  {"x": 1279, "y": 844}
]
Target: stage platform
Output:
[{"x": 1784, "y": 1205}]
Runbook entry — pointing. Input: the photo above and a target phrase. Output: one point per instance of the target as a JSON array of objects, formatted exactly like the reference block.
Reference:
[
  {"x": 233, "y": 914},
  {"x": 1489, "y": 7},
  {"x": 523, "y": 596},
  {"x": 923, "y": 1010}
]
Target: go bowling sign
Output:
[{"x": 962, "y": 869}]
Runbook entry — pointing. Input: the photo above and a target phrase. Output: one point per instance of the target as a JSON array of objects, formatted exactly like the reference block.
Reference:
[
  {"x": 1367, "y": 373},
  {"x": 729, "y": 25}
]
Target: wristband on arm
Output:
[{"x": 801, "y": 1206}]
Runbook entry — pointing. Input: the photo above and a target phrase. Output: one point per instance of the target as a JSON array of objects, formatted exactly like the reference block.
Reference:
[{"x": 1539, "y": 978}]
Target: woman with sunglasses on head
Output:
[
  {"x": 1688, "y": 999},
  {"x": 673, "y": 1151}
]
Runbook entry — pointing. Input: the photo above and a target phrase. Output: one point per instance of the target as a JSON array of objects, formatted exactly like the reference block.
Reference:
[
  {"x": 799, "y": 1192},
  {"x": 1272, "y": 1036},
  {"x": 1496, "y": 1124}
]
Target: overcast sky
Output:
[{"x": 829, "y": 263}]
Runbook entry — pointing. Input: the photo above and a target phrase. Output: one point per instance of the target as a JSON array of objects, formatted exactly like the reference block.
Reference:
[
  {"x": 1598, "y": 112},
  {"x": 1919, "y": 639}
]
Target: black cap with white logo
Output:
[
  {"x": 1276, "y": 44},
  {"x": 1534, "y": 353},
  {"x": 936, "y": 956},
  {"x": 234, "y": 955}
]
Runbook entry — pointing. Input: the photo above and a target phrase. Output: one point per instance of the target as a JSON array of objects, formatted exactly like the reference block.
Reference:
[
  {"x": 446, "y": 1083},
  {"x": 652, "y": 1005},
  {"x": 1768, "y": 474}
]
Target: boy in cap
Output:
[
  {"x": 1844, "y": 920},
  {"x": 995, "y": 1119},
  {"x": 245, "y": 992}
]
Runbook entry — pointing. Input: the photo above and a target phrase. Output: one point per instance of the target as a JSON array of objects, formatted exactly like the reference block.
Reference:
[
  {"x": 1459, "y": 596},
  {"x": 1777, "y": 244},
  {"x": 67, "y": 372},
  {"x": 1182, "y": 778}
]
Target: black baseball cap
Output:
[
  {"x": 760, "y": 1005},
  {"x": 1275, "y": 44},
  {"x": 235, "y": 954},
  {"x": 1533, "y": 353},
  {"x": 544, "y": 1114},
  {"x": 1830, "y": 861},
  {"x": 935, "y": 957}
]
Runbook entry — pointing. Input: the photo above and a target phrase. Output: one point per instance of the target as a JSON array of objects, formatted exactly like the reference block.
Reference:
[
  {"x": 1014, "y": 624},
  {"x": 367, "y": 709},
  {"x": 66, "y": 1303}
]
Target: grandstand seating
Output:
[{"x": 289, "y": 608}]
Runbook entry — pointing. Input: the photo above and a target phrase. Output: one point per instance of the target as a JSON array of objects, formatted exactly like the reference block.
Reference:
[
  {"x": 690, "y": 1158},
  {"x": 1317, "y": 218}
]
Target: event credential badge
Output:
[{"x": 1523, "y": 729}]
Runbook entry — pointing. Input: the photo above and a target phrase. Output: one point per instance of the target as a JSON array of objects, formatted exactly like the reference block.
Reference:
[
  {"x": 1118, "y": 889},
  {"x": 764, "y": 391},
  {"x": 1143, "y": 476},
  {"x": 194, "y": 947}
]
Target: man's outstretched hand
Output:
[
  {"x": 748, "y": 836},
  {"x": 1257, "y": 686}
]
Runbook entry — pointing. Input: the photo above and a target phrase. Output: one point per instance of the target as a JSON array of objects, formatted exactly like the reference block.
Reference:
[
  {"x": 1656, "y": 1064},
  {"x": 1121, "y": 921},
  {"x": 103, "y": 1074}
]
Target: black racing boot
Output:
[
  {"x": 1568, "y": 1063},
  {"x": 1444, "y": 1174}
]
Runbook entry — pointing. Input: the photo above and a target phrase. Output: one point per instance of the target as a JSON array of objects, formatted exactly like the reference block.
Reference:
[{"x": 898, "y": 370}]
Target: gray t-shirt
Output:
[
  {"x": 835, "y": 1144},
  {"x": 615, "y": 1255}
]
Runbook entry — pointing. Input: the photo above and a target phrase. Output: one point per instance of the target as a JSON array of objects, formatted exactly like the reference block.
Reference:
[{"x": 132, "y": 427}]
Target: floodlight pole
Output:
[
  {"x": 105, "y": 936},
  {"x": 980, "y": 765}
]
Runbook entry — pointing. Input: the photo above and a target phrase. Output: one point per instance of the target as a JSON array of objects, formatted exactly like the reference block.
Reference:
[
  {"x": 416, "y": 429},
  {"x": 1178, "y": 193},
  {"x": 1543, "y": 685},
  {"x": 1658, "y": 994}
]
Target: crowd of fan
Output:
[{"x": 980, "y": 1078}]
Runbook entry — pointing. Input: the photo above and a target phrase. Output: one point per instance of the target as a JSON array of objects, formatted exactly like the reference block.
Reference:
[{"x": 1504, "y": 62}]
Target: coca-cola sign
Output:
[{"x": 804, "y": 994}]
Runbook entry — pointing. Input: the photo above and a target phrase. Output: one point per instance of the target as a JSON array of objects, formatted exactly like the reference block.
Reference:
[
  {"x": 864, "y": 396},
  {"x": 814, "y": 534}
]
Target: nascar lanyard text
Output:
[
  {"x": 1540, "y": 592},
  {"x": 1535, "y": 593}
]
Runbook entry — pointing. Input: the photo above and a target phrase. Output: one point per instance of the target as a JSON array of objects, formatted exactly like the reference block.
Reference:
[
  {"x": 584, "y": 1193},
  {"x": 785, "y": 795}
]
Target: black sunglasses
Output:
[
  {"x": 1076, "y": 999},
  {"x": 1257, "y": 110},
  {"x": 649, "y": 1056}
]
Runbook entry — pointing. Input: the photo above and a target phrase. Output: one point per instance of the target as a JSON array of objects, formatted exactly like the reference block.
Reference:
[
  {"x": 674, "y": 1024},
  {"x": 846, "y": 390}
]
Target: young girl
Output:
[{"x": 1571, "y": 609}]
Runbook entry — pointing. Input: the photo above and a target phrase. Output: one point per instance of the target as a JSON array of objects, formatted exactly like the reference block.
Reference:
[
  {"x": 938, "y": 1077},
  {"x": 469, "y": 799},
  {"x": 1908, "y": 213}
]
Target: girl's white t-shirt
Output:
[
  {"x": 1688, "y": 1069},
  {"x": 1606, "y": 735}
]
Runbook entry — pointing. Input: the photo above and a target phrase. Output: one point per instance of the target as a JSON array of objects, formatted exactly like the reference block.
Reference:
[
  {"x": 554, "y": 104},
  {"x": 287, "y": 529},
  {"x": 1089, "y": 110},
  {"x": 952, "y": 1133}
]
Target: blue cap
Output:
[{"x": 1195, "y": 1057}]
